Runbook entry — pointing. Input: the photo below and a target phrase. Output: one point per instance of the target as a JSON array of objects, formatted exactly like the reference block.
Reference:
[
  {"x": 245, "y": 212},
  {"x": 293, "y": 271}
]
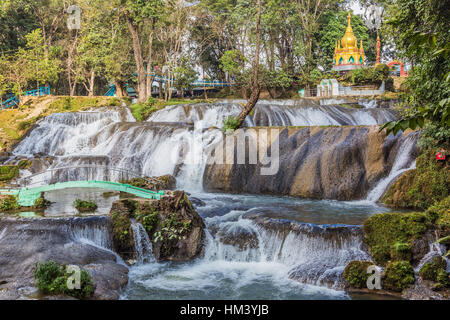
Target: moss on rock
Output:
[
  {"x": 422, "y": 187},
  {"x": 398, "y": 276},
  {"x": 8, "y": 203},
  {"x": 355, "y": 274},
  {"x": 8, "y": 172},
  {"x": 435, "y": 271},
  {"x": 85, "y": 205},
  {"x": 389, "y": 236}
]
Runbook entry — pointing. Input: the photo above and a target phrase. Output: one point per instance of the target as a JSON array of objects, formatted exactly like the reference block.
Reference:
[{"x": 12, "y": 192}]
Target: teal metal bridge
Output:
[
  {"x": 12, "y": 101},
  {"x": 27, "y": 195},
  {"x": 199, "y": 83}
]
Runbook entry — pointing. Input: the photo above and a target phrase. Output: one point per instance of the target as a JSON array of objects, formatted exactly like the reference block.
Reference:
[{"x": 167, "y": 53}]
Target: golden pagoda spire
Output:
[
  {"x": 349, "y": 41},
  {"x": 361, "y": 49}
]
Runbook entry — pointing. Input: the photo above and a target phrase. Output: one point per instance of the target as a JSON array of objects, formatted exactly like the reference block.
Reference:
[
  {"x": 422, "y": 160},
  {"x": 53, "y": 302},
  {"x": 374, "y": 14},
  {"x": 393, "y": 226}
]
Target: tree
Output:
[
  {"x": 333, "y": 25},
  {"x": 41, "y": 65},
  {"x": 143, "y": 17},
  {"x": 309, "y": 13},
  {"x": 185, "y": 75},
  {"x": 256, "y": 88},
  {"x": 421, "y": 29}
]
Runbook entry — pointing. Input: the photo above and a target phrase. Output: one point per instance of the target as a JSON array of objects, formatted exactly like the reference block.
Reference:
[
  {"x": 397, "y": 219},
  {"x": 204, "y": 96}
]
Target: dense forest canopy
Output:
[{"x": 120, "y": 42}]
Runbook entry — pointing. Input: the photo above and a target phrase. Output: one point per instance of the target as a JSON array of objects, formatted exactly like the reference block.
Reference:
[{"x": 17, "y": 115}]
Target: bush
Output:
[
  {"x": 8, "y": 203},
  {"x": 51, "y": 278},
  {"x": 8, "y": 172},
  {"x": 41, "y": 203},
  {"x": 355, "y": 273},
  {"x": 85, "y": 206},
  {"x": 230, "y": 124},
  {"x": 398, "y": 275}
]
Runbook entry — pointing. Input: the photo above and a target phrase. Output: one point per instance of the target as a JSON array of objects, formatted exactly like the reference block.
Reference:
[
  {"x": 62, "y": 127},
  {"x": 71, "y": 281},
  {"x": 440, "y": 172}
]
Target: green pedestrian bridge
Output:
[{"x": 28, "y": 195}]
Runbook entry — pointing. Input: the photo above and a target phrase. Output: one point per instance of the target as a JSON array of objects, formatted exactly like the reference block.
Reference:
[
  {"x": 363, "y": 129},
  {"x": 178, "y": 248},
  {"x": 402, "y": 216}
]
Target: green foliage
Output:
[
  {"x": 398, "y": 275},
  {"x": 232, "y": 61},
  {"x": 230, "y": 124},
  {"x": 52, "y": 278},
  {"x": 333, "y": 27},
  {"x": 430, "y": 270},
  {"x": 41, "y": 202},
  {"x": 422, "y": 187},
  {"x": 355, "y": 273},
  {"x": 85, "y": 206},
  {"x": 388, "y": 235},
  {"x": 421, "y": 29},
  {"x": 122, "y": 231},
  {"x": 434, "y": 136},
  {"x": 8, "y": 172},
  {"x": 172, "y": 229},
  {"x": 8, "y": 203},
  {"x": 369, "y": 75}
]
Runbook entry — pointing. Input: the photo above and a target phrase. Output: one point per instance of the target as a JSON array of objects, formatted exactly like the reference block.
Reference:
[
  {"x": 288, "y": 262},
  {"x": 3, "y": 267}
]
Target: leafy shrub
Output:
[
  {"x": 41, "y": 203},
  {"x": 8, "y": 203},
  {"x": 355, "y": 273},
  {"x": 398, "y": 275},
  {"x": 85, "y": 206},
  {"x": 52, "y": 278},
  {"x": 8, "y": 172},
  {"x": 434, "y": 136},
  {"x": 230, "y": 124}
]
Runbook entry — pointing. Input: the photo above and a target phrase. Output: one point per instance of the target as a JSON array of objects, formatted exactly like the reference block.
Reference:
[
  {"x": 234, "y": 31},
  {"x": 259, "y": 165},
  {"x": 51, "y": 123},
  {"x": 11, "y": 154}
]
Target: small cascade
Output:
[
  {"x": 402, "y": 163},
  {"x": 142, "y": 243},
  {"x": 274, "y": 113},
  {"x": 314, "y": 254},
  {"x": 435, "y": 249},
  {"x": 92, "y": 230}
]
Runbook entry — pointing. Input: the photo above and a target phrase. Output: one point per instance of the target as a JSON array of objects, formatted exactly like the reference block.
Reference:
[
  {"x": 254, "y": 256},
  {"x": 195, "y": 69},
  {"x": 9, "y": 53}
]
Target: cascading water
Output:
[
  {"x": 274, "y": 113},
  {"x": 143, "y": 246},
  {"x": 403, "y": 162}
]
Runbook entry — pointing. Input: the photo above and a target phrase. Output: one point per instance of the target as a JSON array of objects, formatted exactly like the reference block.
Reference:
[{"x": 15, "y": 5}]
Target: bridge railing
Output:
[
  {"x": 82, "y": 173},
  {"x": 42, "y": 91}
]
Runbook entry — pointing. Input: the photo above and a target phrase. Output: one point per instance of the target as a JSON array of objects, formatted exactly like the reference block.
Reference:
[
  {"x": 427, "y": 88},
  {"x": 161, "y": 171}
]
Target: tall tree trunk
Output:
[
  {"x": 120, "y": 90},
  {"x": 254, "y": 96},
  {"x": 137, "y": 50},
  {"x": 149, "y": 80}
]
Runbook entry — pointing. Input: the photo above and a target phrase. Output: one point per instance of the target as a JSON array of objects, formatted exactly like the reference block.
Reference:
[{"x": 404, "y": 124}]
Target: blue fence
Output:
[{"x": 42, "y": 91}]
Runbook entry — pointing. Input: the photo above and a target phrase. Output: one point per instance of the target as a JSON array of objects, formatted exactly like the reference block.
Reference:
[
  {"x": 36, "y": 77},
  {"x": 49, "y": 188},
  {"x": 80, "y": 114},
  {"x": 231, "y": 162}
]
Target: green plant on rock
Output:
[
  {"x": 401, "y": 251},
  {"x": 8, "y": 172},
  {"x": 355, "y": 273},
  {"x": 8, "y": 203},
  {"x": 398, "y": 275},
  {"x": 435, "y": 271},
  {"x": 230, "y": 124},
  {"x": 150, "y": 221},
  {"x": 41, "y": 203},
  {"x": 387, "y": 231},
  {"x": 422, "y": 187},
  {"x": 52, "y": 278},
  {"x": 172, "y": 228},
  {"x": 85, "y": 206}
]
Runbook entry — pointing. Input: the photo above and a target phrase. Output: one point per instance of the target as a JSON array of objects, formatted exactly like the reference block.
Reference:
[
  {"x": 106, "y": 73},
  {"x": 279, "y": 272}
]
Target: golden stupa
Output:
[{"x": 347, "y": 55}]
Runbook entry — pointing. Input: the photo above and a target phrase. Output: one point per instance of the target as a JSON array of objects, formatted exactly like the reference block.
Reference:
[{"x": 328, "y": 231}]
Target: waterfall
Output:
[
  {"x": 274, "y": 113},
  {"x": 314, "y": 254},
  {"x": 402, "y": 163},
  {"x": 92, "y": 230},
  {"x": 142, "y": 244}
]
